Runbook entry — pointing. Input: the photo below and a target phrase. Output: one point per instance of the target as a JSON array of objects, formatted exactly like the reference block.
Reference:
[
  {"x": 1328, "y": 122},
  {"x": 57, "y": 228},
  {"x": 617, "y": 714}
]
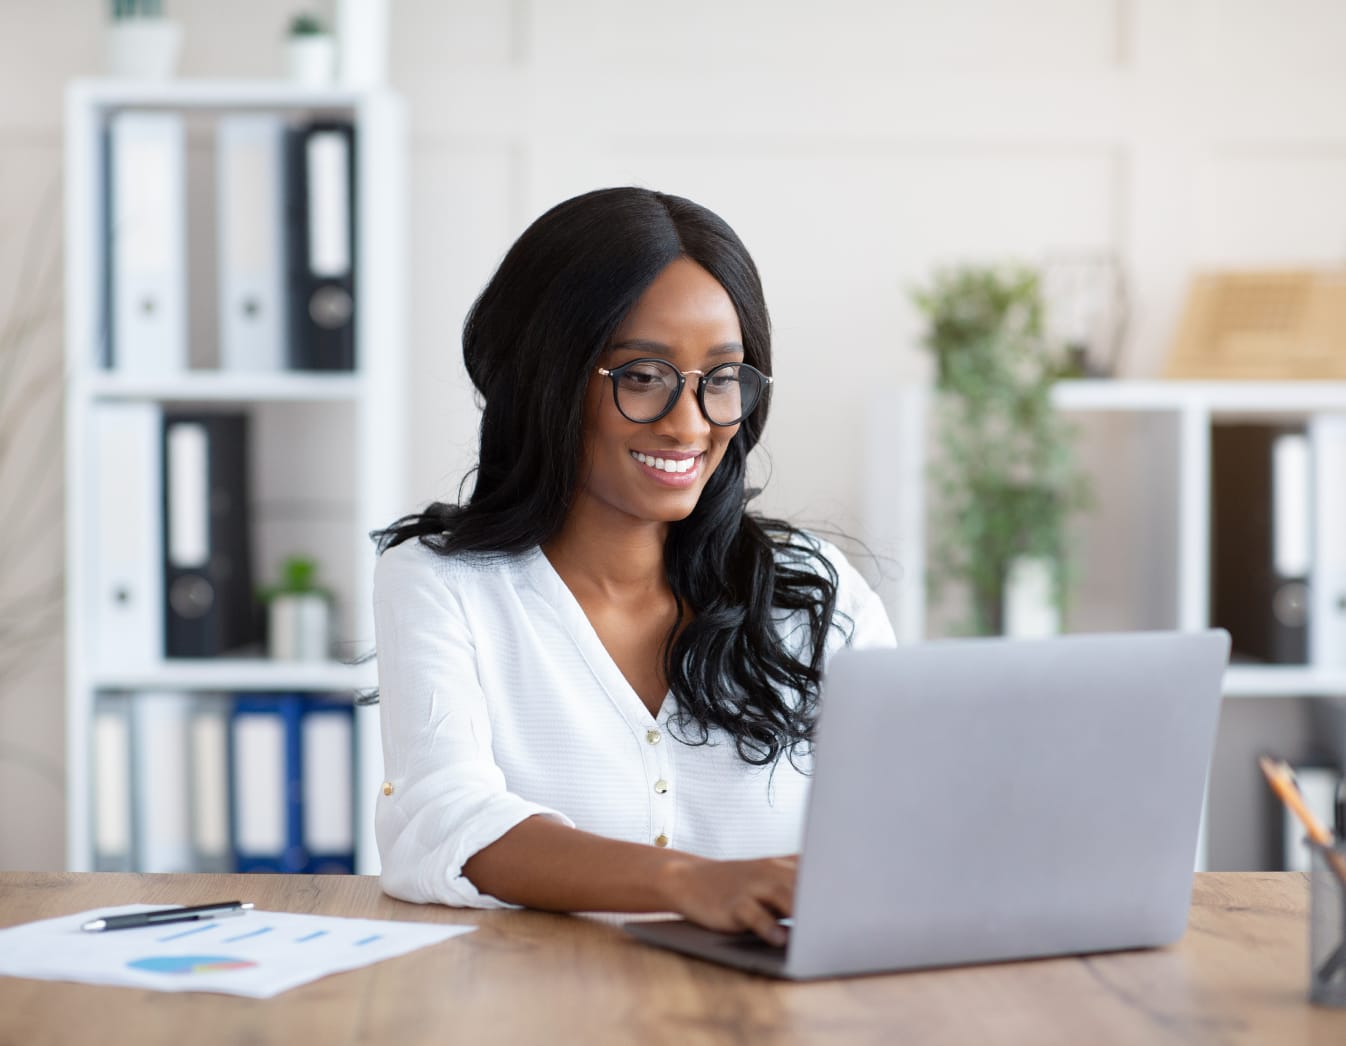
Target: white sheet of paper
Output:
[{"x": 258, "y": 954}]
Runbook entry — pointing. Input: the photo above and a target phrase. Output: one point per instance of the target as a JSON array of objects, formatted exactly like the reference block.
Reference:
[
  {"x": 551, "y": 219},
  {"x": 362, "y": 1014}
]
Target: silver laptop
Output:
[{"x": 981, "y": 800}]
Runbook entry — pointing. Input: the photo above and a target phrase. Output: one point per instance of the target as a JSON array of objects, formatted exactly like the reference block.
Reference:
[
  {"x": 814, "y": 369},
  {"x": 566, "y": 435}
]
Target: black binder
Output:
[
  {"x": 1264, "y": 605},
  {"x": 322, "y": 244},
  {"x": 209, "y": 604}
]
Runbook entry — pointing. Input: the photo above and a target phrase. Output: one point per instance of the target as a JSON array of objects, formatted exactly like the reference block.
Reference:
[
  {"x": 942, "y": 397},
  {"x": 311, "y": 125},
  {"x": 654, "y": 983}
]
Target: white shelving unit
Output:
[
  {"x": 340, "y": 433},
  {"x": 1173, "y": 480},
  {"x": 1194, "y": 407},
  {"x": 1187, "y": 410}
]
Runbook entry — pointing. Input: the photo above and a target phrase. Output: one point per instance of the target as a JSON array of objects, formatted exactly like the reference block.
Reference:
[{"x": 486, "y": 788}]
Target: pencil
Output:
[{"x": 1282, "y": 780}]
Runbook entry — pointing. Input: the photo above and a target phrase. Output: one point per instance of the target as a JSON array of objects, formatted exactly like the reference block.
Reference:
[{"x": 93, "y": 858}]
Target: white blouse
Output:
[{"x": 499, "y": 702}]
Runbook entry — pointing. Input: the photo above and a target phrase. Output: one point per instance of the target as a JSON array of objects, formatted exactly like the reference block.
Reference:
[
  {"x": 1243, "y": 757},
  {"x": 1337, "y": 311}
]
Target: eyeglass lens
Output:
[{"x": 647, "y": 389}]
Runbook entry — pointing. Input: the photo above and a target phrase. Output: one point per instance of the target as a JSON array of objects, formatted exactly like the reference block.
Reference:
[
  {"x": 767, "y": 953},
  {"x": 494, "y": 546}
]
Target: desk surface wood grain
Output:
[{"x": 1239, "y": 975}]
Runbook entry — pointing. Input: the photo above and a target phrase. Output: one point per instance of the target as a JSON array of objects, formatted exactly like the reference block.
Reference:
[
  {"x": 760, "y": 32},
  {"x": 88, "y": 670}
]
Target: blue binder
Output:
[
  {"x": 266, "y": 779},
  {"x": 328, "y": 791}
]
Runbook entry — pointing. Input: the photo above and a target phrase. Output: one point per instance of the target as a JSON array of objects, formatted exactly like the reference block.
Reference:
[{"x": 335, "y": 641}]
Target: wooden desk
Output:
[{"x": 1238, "y": 976}]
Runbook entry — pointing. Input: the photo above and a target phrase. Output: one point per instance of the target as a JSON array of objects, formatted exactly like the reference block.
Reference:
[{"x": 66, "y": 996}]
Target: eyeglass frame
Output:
[{"x": 615, "y": 372}]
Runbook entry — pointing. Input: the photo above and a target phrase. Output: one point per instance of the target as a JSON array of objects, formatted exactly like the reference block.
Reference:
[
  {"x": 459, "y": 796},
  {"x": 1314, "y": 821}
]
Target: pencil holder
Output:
[{"x": 1327, "y": 924}]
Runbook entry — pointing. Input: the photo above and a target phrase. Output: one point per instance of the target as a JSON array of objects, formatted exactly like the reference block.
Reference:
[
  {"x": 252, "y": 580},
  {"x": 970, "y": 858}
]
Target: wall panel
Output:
[
  {"x": 804, "y": 36},
  {"x": 1272, "y": 206},
  {"x": 463, "y": 209}
]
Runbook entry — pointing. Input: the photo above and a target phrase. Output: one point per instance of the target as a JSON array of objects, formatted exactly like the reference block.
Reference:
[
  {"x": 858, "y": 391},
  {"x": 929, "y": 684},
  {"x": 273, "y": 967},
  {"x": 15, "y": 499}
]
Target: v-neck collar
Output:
[{"x": 552, "y": 587}]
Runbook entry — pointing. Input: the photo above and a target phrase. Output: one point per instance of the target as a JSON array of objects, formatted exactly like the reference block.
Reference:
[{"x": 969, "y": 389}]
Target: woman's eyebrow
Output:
[{"x": 659, "y": 348}]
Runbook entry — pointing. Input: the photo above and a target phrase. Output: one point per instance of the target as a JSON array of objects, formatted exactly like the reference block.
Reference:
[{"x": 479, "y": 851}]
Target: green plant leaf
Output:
[{"x": 1005, "y": 482}]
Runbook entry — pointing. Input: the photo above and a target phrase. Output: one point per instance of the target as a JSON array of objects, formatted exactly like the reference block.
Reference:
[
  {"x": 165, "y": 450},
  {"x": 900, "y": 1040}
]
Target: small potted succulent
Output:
[
  {"x": 299, "y": 613},
  {"x": 310, "y": 51},
  {"x": 141, "y": 42}
]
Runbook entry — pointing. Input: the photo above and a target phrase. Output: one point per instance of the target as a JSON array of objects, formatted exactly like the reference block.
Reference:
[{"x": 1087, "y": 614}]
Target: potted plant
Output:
[
  {"x": 1005, "y": 480},
  {"x": 298, "y": 613},
  {"x": 310, "y": 51},
  {"x": 141, "y": 42}
]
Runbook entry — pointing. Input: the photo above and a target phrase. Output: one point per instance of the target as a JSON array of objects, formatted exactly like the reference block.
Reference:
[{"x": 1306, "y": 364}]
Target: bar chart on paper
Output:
[{"x": 258, "y": 955}]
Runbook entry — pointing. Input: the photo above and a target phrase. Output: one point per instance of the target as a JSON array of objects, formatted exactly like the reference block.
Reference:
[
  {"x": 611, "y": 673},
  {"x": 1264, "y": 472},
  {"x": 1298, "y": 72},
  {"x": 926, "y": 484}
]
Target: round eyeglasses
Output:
[{"x": 646, "y": 389}]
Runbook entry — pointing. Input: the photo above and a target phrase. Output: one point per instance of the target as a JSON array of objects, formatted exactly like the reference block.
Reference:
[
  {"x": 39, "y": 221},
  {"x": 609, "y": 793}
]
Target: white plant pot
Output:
[
  {"x": 143, "y": 48},
  {"x": 1030, "y": 606},
  {"x": 299, "y": 627},
  {"x": 312, "y": 60}
]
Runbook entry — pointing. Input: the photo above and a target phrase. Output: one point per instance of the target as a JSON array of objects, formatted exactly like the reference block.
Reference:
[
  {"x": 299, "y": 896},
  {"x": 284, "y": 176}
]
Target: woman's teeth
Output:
[{"x": 665, "y": 464}]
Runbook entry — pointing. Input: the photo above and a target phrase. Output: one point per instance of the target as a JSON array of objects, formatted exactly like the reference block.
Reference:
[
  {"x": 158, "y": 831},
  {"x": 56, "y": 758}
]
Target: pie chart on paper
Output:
[{"x": 188, "y": 964}]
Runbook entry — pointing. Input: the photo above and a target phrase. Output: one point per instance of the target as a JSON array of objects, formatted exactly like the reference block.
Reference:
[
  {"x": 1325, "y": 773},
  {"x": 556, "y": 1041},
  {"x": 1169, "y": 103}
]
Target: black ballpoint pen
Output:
[{"x": 154, "y": 917}]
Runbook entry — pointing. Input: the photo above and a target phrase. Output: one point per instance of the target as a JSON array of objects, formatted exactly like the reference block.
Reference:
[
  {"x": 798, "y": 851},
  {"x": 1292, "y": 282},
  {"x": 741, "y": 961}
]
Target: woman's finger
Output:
[{"x": 763, "y": 922}]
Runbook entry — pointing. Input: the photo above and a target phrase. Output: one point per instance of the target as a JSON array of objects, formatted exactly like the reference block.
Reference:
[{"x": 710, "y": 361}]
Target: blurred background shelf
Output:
[
  {"x": 232, "y": 674},
  {"x": 1212, "y": 397},
  {"x": 222, "y": 387},
  {"x": 319, "y": 447}
]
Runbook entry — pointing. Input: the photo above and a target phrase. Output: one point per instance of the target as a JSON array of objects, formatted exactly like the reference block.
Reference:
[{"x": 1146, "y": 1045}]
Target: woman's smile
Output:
[{"x": 674, "y": 468}]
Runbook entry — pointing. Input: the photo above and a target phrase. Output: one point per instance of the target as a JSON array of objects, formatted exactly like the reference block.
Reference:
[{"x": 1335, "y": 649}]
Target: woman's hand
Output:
[
  {"x": 733, "y": 896},
  {"x": 540, "y": 863}
]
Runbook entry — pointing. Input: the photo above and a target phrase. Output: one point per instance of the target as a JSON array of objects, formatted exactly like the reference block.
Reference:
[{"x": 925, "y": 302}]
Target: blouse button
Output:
[
  {"x": 660, "y": 786},
  {"x": 661, "y": 840},
  {"x": 387, "y": 788},
  {"x": 653, "y": 737}
]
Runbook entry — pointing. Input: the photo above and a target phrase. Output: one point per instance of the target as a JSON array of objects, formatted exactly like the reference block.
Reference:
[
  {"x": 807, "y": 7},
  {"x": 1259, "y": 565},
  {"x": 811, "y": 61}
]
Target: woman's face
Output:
[{"x": 686, "y": 318}]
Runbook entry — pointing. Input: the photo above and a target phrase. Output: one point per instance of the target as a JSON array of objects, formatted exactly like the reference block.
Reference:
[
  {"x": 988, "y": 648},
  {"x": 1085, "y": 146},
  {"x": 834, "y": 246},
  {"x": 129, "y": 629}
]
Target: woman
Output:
[{"x": 599, "y": 675}]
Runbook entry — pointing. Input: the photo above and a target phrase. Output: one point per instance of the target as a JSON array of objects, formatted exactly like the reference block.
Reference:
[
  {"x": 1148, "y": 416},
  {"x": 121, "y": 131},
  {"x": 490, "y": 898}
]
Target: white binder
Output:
[
  {"x": 161, "y": 781},
  {"x": 126, "y": 566},
  {"x": 147, "y": 242},
  {"x": 1327, "y": 578},
  {"x": 111, "y": 740},
  {"x": 210, "y": 783},
  {"x": 250, "y": 151}
]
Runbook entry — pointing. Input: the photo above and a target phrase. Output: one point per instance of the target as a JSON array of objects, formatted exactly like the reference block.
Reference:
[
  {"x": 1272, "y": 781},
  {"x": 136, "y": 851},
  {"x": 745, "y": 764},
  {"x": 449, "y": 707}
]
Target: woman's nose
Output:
[{"x": 686, "y": 416}]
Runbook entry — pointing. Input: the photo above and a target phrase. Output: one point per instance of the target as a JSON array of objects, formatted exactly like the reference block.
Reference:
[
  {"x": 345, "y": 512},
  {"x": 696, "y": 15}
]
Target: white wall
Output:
[{"x": 854, "y": 145}]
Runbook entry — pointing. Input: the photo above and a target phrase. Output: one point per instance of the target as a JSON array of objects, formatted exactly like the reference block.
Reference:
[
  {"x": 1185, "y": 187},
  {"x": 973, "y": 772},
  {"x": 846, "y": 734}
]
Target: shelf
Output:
[
  {"x": 213, "y": 94},
  {"x": 1283, "y": 681},
  {"x": 227, "y": 387},
  {"x": 318, "y": 477},
  {"x": 229, "y": 674},
  {"x": 1243, "y": 397}
]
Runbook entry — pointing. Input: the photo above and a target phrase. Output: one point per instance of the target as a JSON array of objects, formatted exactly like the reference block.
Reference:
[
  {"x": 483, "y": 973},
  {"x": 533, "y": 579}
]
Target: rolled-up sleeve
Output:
[{"x": 444, "y": 798}]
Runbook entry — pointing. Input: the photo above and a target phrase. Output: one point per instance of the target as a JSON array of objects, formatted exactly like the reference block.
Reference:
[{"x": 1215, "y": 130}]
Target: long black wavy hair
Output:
[{"x": 530, "y": 343}]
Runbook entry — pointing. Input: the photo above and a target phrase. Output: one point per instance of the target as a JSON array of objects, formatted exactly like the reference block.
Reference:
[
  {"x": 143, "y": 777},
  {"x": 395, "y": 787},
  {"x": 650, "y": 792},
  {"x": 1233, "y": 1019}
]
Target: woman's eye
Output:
[
  {"x": 723, "y": 382},
  {"x": 643, "y": 377}
]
